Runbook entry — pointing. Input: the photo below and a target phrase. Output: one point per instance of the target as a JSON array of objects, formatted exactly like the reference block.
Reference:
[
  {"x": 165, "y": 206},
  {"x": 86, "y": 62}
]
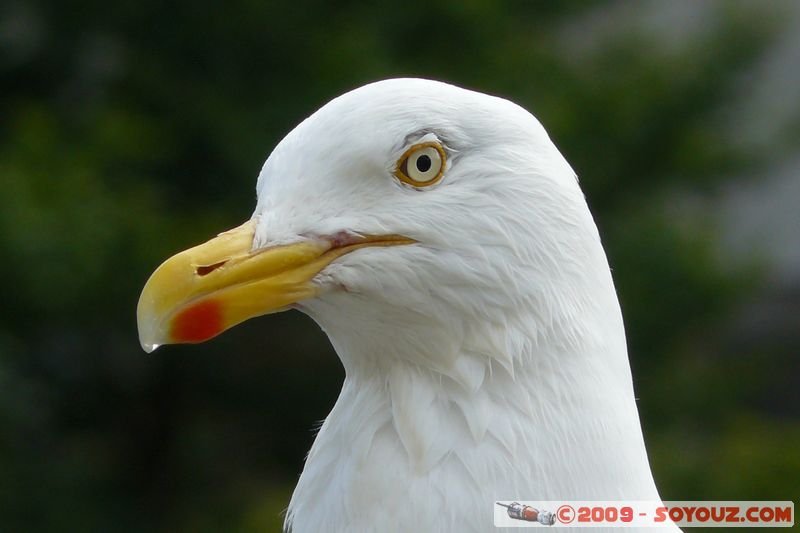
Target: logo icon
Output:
[{"x": 517, "y": 511}]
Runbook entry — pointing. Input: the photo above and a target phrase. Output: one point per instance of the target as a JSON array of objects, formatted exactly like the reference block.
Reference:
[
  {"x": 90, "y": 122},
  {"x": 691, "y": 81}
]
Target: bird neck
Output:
[{"x": 562, "y": 424}]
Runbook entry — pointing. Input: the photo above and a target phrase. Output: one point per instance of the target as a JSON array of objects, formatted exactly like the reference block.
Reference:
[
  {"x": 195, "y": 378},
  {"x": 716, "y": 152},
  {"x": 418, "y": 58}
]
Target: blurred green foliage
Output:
[{"x": 134, "y": 129}]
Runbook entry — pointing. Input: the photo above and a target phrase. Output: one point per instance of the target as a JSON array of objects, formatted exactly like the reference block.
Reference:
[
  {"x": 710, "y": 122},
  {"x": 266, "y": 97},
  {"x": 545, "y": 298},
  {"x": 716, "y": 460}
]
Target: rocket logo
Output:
[{"x": 517, "y": 511}]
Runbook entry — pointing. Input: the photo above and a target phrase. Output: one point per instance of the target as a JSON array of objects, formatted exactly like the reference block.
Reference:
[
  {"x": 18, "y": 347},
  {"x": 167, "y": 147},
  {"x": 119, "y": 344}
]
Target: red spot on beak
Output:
[{"x": 198, "y": 322}]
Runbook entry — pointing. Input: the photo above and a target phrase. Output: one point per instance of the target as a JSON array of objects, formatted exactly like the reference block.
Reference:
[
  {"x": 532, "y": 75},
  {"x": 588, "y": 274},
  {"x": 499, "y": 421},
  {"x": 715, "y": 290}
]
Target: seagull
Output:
[{"x": 444, "y": 245}]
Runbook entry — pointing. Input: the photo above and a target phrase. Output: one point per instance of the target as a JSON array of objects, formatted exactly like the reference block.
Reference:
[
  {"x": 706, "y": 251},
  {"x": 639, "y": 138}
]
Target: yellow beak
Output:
[{"x": 199, "y": 293}]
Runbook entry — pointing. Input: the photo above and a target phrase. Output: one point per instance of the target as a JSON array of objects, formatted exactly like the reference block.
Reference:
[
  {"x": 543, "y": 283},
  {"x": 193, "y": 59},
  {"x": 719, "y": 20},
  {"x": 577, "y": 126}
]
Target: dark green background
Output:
[{"x": 131, "y": 130}]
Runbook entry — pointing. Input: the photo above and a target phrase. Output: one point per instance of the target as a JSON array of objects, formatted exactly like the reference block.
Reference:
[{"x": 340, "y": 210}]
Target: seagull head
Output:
[
  {"x": 411, "y": 219},
  {"x": 443, "y": 243}
]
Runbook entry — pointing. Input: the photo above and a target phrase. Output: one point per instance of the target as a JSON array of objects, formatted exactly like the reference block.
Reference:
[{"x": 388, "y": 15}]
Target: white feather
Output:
[{"x": 486, "y": 362}]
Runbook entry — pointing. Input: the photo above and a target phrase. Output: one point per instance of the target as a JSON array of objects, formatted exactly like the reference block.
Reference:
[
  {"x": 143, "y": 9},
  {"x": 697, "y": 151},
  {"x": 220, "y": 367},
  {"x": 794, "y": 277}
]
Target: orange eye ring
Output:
[{"x": 421, "y": 165}]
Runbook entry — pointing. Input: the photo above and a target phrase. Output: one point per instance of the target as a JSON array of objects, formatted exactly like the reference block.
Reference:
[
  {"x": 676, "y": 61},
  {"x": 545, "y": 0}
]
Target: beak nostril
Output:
[{"x": 204, "y": 270}]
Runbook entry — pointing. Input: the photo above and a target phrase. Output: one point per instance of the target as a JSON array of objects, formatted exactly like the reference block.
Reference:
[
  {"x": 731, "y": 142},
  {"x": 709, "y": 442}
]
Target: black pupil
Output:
[{"x": 424, "y": 163}]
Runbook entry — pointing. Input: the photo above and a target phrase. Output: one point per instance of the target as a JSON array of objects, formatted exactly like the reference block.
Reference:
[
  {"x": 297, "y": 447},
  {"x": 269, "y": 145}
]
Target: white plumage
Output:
[
  {"x": 473, "y": 311},
  {"x": 486, "y": 362}
]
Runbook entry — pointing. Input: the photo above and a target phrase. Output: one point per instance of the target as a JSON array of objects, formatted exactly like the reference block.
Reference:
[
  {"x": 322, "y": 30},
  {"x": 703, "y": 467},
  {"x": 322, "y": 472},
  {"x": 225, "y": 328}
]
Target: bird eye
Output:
[{"x": 421, "y": 165}]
